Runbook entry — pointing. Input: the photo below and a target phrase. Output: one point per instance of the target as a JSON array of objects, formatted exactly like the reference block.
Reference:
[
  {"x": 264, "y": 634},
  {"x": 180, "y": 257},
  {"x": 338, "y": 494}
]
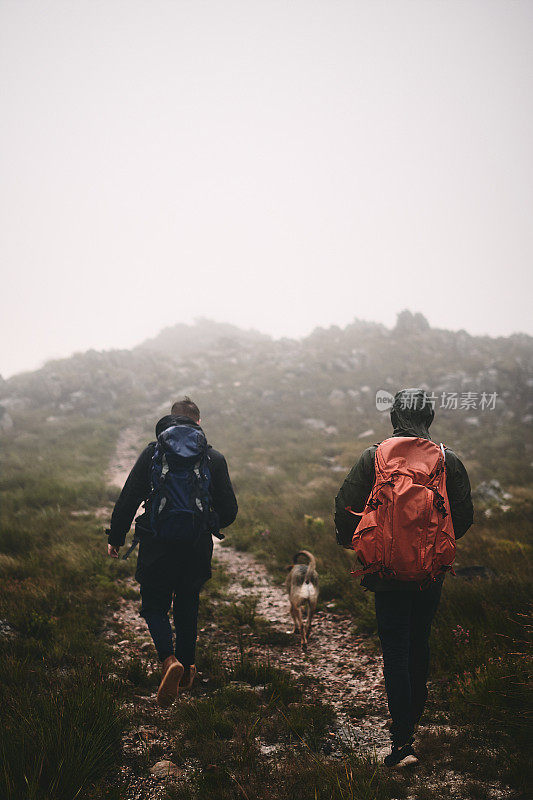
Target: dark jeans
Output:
[
  {"x": 404, "y": 620},
  {"x": 156, "y": 602}
]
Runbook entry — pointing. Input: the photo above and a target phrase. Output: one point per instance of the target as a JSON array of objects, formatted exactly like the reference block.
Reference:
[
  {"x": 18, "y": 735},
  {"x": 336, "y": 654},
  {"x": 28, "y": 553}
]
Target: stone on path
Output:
[{"x": 165, "y": 768}]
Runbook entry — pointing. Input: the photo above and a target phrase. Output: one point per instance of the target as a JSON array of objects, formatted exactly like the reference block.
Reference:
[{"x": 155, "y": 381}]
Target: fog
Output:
[{"x": 278, "y": 165}]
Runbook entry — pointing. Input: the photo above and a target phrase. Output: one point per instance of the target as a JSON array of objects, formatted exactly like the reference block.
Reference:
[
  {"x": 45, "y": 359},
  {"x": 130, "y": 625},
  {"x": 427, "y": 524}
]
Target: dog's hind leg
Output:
[
  {"x": 303, "y": 626},
  {"x": 294, "y": 615},
  {"x": 311, "y": 608}
]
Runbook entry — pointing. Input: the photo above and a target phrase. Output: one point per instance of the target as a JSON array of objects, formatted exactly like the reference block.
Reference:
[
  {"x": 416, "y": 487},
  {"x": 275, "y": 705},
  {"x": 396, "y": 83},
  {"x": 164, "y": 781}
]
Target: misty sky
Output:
[{"x": 279, "y": 165}]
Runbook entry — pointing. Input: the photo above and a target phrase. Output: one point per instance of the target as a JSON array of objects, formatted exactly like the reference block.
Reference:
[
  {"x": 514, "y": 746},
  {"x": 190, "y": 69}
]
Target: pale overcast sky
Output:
[{"x": 279, "y": 165}]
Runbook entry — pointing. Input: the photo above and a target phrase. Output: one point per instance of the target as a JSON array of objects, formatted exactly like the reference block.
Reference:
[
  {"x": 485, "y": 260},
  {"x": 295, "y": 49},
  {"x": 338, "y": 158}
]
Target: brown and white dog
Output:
[{"x": 302, "y": 588}]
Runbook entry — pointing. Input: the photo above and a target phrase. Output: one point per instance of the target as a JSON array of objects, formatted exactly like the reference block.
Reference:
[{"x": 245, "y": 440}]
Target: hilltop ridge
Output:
[{"x": 322, "y": 385}]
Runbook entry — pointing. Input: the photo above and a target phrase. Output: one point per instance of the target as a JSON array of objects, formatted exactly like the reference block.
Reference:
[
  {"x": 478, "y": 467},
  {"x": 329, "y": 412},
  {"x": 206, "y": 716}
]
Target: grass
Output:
[
  {"x": 138, "y": 672},
  {"x": 301, "y": 777},
  {"x": 57, "y": 741},
  {"x": 243, "y": 614},
  {"x": 62, "y": 722},
  {"x": 228, "y": 731}
]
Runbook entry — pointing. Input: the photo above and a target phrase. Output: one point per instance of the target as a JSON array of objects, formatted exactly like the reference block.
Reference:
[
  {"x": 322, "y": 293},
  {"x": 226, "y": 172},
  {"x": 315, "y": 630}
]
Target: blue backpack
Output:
[{"x": 180, "y": 504}]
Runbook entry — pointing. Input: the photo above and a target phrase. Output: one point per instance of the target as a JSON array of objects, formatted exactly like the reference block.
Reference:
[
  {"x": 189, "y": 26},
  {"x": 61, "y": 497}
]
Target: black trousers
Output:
[
  {"x": 404, "y": 620},
  {"x": 155, "y": 605}
]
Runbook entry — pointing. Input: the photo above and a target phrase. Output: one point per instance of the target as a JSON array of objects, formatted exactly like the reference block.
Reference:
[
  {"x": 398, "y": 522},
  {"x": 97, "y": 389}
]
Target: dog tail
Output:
[{"x": 312, "y": 562}]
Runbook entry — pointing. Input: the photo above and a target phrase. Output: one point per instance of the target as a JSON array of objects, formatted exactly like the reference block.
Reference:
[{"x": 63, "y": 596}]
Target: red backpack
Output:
[{"x": 406, "y": 529}]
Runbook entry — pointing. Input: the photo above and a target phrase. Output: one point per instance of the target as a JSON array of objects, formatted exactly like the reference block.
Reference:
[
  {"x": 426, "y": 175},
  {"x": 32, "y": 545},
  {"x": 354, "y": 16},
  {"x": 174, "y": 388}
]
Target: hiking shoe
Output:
[
  {"x": 401, "y": 756},
  {"x": 189, "y": 674},
  {"x": 168, "y": 688}
]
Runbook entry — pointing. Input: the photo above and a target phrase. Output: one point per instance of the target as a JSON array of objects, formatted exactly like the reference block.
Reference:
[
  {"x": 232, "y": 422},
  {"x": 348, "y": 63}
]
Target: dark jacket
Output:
[
  {"x": 356, "y": 489},
  {"x": 159, "y": 563}
]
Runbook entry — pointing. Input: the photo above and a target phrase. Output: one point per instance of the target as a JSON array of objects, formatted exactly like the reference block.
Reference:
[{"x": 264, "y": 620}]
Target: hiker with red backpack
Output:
[
  {"x": 188, "y": 497},
  {"x": 401, "y": 509}
]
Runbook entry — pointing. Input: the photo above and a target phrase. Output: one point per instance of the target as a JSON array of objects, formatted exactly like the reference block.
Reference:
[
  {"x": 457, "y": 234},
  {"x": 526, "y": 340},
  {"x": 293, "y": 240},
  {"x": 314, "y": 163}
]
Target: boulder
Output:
[
  {"x": 315, "y": 424},
  {"x": 337, "y": 397},
  {"x": 491, "y": 492}
]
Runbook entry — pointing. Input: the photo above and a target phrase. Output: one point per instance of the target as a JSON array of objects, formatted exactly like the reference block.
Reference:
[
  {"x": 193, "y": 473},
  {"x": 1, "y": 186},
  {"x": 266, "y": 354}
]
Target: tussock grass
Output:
[
  {"x": 62, "y": 722},
  {"x": 137, "y": 671},
  {"x": 57, "y": 738},
  {"x": 243, "y": 615}
]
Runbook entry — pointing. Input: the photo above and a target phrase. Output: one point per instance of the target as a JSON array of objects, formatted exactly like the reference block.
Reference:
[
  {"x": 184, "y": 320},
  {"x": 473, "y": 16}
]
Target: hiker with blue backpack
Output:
[
  {"x": 401, "y": 509},
  {"x": 188, "y": 498}
]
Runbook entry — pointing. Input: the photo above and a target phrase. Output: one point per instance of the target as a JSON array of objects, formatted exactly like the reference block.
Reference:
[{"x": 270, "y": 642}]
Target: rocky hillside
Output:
[{"x": 257, "y": 391}]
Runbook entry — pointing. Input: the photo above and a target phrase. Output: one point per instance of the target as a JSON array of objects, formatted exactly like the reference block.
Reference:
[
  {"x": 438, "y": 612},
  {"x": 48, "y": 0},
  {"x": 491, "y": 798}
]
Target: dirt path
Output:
[
  {"x": 335, "y": 657},
  {"x": 350, "y": 676},
  {"x": 129, "y": 446}
]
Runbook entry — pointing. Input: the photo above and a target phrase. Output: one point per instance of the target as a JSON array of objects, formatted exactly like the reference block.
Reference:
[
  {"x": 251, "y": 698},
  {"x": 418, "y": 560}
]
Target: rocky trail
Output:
[{"x": 348, "y": 673}]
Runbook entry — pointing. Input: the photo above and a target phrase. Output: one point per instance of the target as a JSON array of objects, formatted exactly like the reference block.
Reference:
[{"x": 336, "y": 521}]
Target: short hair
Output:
[{"x": 185, "y": 408}]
